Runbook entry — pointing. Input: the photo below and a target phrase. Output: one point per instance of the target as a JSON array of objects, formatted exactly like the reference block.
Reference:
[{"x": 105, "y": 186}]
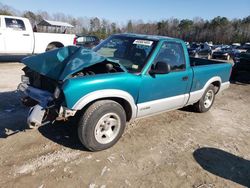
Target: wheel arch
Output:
[
  {"x": 196, "y": 95},
  {"x": 217, "y": 85},
  {"x": 54, "y": 43},
  {"x": 215, "y": 81},
  {"x": 119, "y": 96}
]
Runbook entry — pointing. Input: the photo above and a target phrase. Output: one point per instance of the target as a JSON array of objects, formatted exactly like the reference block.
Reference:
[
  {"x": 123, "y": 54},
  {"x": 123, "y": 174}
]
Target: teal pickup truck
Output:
[{"x": 127, "y": 76}]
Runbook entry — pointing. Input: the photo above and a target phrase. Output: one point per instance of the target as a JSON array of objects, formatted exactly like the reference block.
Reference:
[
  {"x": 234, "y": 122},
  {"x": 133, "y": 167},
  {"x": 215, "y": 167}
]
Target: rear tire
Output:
[
  {"x": 102, "y": 125},
  {"x": 51, "y": 47},
  {"x": 207, "y": 100}
]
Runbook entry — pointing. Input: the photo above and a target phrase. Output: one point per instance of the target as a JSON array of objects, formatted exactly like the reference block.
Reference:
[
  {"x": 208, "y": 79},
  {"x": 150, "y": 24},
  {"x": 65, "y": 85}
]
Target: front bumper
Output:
[
  {"x": 36, "y": 116},
  {"x": 45, "y": 111},
  {"x": 41, "y": 96}
]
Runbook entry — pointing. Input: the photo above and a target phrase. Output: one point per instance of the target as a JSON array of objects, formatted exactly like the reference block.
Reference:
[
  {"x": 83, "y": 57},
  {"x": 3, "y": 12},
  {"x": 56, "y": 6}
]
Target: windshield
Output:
[{"x": 130, "y": 52}]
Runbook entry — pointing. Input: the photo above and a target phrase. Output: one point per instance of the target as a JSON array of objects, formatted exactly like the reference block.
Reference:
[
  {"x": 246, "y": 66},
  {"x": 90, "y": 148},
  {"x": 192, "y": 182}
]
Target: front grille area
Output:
[{"x": 39, "y": 81}]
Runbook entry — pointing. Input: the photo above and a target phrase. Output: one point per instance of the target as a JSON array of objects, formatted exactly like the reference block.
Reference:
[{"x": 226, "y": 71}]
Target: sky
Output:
[{"x": 146, "y": 10}]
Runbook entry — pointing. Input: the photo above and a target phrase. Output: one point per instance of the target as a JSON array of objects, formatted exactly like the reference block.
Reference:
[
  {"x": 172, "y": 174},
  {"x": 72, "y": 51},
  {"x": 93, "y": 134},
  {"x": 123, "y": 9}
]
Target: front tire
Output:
[
  {"x": 207, "y": 100},
  {"x": 102, "y": 125}
]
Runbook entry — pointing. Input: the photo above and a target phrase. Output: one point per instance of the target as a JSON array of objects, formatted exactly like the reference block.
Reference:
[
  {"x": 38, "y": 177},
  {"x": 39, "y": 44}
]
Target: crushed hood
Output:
[{"x": 59, "y": 64}]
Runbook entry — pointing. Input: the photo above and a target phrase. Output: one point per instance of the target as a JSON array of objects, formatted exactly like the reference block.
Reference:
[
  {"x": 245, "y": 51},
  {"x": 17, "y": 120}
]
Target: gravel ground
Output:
[{"x": 175, "y": 149}]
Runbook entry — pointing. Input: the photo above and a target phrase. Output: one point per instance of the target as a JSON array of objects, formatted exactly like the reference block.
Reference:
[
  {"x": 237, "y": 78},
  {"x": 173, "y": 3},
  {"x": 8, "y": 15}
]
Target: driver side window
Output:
[{"x": 172, "y": 53}]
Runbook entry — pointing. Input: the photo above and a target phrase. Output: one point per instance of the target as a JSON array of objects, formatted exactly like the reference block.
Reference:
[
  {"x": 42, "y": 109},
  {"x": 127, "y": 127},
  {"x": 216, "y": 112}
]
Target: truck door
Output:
[
  {"x": 1, "y": 37},
  {"x": 161, "y": 92},
  {"x": 18, "y": 38}
]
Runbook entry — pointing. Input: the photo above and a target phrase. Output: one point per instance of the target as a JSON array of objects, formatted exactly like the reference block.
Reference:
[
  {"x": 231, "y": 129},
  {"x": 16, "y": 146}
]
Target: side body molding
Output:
[
  {"x": 106, "y": 93},
  {"x": 168, "y": 102}
]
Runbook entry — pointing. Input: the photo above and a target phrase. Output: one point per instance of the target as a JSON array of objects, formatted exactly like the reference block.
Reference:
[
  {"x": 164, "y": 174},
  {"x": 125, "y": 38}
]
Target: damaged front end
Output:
[
  {"x": 45, "y": 74},
  {"x": 45, "y": 106}
]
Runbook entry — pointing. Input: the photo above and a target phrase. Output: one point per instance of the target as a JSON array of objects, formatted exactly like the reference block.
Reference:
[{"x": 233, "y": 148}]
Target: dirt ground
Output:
[{"x": 174, "y": 149}]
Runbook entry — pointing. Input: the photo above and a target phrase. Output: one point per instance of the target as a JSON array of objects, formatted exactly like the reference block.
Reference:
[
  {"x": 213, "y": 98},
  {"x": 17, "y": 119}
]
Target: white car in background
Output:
[{"x": 18, "y": 38}]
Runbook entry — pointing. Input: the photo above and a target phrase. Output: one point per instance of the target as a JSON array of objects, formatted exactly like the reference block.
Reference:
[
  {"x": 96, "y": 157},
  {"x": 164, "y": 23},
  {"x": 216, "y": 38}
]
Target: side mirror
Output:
[{"x": 160, "y": 68}]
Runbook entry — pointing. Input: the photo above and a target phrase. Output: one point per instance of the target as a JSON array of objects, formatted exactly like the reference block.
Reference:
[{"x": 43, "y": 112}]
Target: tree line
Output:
[{"x": 219, "y": 30}]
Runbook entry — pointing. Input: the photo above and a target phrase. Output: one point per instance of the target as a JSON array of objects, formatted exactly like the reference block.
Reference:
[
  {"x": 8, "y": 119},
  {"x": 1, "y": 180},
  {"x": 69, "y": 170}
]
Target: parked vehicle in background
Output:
[
  {"x": 125, "y": 77},
  {"x": 215, "y": 48},
  {"x": 224, "y": 53},
  {"x": 17, "y": 37},
  {"x": 236, "y": 45},
  {"x": 88, "y": 41},
  {"x": 238, "y": 50},
  {"x": 246, "y": 46},
  {"x": 200, "y": 50},
  {"x": 243, "y": 64}
]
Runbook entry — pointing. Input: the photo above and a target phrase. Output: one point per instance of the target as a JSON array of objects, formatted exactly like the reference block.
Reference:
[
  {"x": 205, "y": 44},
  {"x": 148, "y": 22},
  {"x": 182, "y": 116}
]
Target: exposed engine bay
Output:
[
  {"x": 43, "y": 82},
  {"x": 99, "y": 68}
]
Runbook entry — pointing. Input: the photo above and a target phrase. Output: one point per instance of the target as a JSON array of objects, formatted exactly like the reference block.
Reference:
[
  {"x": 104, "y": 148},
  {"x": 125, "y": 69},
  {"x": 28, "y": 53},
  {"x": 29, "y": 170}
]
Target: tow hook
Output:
[{"x": 35, "y": 116}]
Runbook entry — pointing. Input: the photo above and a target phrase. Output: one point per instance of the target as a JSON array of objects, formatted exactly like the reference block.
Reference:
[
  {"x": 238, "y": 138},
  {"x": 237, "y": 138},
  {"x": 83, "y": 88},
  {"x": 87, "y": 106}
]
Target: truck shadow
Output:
[
  {"x": 224, "y": 164},
  {"x": 12, "y": 114},
  {"x": 63, "y": 133},
  {"x": 188, "y": 108}
]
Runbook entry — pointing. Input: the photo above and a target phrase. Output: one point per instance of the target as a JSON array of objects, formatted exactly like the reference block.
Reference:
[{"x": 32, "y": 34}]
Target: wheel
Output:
[
  {"x": 102, "y": 125},
  {"x": 207, "y": 100},
  {"x": 51, "y": 47}
]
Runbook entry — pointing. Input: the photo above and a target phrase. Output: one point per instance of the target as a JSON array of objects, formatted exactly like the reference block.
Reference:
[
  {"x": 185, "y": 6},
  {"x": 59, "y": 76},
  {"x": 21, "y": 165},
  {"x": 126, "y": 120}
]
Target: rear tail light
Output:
[{"x": 74, "y": 42}]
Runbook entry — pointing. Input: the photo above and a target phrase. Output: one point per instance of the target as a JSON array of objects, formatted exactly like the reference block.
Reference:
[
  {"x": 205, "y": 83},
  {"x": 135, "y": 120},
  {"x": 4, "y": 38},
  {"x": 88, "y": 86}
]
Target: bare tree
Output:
[{"x": 218, "y": 30}]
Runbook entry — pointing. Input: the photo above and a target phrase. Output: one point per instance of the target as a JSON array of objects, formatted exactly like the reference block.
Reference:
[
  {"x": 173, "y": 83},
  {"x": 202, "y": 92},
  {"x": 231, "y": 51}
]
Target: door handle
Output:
[
  {"x": 185, "y": 78},
  {"x": 26, "y": 35}
]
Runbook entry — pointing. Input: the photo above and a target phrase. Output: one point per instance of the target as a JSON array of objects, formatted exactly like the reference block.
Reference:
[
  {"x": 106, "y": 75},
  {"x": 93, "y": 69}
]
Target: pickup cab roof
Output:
[
  {"x": 54, "y": 23},
  {"x": 150, "y": 37}
]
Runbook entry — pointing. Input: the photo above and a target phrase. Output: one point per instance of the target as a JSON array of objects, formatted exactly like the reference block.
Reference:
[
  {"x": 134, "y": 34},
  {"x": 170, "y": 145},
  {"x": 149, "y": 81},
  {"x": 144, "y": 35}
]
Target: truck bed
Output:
[
  {"x": 204, "y": 69},
  {"x": 198, "y": 61}
]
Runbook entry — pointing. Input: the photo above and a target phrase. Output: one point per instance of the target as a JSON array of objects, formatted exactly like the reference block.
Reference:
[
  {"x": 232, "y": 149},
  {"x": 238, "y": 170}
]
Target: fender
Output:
[
  {"x": 211, "y": 80},
  {"x": 196, "y": 95},
  {"x": 106, "y": 93}
]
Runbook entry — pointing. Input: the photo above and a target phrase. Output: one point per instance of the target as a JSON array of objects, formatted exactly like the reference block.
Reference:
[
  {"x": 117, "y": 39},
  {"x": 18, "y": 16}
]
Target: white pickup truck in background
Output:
[{"x": 18, "y": 38}]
